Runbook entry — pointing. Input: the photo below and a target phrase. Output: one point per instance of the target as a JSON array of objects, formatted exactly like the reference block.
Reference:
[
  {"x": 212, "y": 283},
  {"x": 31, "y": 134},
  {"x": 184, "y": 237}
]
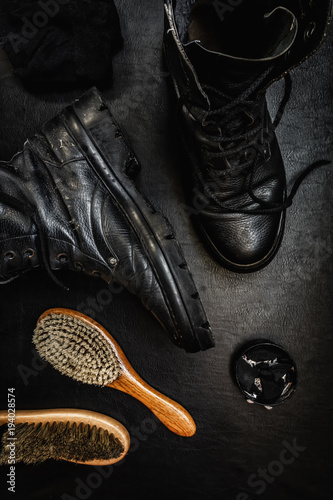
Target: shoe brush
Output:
[
  {"x": 79, "y": 347},
  {"x": 80, "y": 436}
]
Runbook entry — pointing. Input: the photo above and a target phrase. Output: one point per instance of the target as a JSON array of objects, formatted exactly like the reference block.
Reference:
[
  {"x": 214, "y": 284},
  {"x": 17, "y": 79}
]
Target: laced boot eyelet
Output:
[
  {"x": 113, "y": 261},
  {"x": 96, "y": 274},
  {"x": 10, "y": 255},
  {"x": 62, "y": 257},
  {"x": 79, "y": 266},
  {"x": 310, "y": 30},
  {"x": 251, "y": 119},
  {"x": 29, "y": 252}
]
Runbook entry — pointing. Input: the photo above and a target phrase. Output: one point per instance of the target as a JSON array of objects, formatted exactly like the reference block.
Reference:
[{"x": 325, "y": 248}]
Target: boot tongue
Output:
[{"x": 233, "y": 65}]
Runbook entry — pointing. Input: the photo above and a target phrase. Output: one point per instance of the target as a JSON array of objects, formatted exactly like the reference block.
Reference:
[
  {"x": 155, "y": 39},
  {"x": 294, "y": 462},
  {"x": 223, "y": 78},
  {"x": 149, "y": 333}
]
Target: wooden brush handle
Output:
[{"x": 170, "y": 413}]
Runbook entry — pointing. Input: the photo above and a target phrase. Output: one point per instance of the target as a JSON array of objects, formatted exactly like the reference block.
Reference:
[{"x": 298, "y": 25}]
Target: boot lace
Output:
[{"x": 232, "y": 141}]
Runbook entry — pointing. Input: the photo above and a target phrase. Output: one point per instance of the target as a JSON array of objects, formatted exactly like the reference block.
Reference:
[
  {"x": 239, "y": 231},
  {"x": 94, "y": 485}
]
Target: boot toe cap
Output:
[{"x": 242, "y": 242}]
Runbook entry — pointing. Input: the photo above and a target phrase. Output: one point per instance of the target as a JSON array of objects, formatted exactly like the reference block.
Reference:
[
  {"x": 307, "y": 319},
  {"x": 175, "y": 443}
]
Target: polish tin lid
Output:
[{"x": 265, "y": 373}]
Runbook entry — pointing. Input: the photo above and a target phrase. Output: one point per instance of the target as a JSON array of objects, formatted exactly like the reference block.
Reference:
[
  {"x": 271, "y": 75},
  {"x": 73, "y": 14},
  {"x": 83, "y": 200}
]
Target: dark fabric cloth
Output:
[{"x": 60, "y": 40}]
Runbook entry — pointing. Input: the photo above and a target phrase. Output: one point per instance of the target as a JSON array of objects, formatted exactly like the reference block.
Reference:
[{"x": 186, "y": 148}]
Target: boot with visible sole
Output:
[
  {"x": 221, "y": 59},
  {"x": 67, "y": 202}
]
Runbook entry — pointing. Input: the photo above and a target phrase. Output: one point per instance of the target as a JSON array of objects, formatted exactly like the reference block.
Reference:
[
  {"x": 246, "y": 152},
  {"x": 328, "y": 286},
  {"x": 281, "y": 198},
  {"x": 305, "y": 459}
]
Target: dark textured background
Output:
[{"x": 289, "y": 302}]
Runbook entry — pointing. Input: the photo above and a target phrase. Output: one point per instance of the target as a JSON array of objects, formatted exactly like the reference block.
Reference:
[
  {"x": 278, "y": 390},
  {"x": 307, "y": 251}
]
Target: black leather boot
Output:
[
  {"x": 222, "y": 58},
  {"x": 67, "y": 202}
]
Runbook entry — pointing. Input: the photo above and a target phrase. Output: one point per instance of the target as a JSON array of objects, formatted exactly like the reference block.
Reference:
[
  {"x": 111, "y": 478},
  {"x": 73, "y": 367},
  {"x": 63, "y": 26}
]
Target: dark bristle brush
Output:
[
  {"x": 80, "y": 436},
  {"x": 79, "y": 347}
]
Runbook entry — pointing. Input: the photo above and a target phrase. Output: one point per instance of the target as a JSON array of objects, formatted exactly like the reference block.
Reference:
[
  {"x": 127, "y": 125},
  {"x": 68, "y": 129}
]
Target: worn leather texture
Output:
[
  {"x": 86, "y": 215},
  {"x": 288, "y": 302}
]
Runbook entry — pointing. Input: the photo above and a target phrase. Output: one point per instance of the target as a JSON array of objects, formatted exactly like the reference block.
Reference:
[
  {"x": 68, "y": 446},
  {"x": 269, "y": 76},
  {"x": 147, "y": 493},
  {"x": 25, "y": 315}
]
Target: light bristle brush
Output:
[
  {"x": 80, "y": 436},
  {"x": 79, "y": 347}
]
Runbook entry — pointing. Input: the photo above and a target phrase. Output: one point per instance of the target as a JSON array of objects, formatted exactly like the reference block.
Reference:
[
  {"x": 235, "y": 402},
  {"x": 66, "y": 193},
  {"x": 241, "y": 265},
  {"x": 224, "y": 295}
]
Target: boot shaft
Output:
[
  {"x": 51, "y": 190},
  {"x": 288, "y": 32}
]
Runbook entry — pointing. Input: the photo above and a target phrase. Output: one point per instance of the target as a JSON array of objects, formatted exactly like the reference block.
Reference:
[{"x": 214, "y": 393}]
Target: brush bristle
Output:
[
  {"x": 36, "y": 443},
  {"x": 76, "y": 349}
]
